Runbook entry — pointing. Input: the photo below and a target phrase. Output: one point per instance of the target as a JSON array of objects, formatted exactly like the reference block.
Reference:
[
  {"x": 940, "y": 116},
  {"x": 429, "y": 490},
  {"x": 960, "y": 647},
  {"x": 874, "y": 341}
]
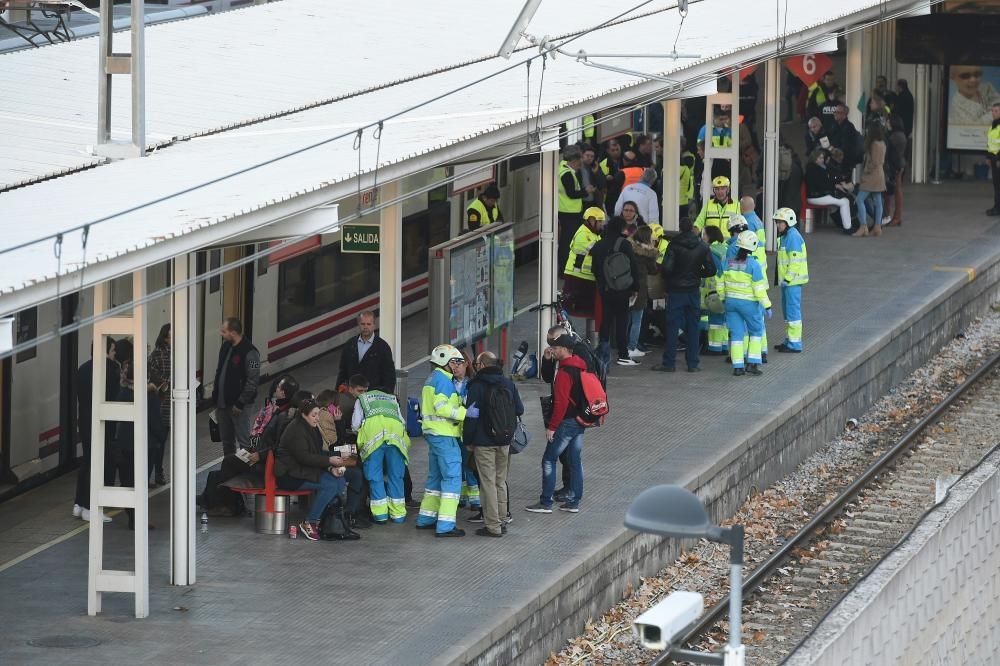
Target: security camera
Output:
[{"x": 660, "y": 625}]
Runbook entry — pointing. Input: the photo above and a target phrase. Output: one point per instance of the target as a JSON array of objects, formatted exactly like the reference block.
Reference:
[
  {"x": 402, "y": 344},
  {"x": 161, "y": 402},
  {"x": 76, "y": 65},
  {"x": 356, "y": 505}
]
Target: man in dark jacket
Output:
[
  {"x": 844, "y": 135},
  {"x": 492, "y": 457},
  {"x": 234, "y": 390},
  {"x": 687, "y": 261},
  {"x": 84, "y": 398},
  {"x": 614, "y": 301},
  {"x": 368, "y": 355}
]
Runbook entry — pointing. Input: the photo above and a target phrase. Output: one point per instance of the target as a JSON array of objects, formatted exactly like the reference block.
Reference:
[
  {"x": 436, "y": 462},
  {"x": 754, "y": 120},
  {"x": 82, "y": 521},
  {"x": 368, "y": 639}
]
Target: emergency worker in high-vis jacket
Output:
[
  {"x": 384, "y": 448},
  {"x": 443, "y": 416},
  {"x": 743, "y": 289},
  {"x": 580, "y": 285},
  {"x": 716, "y": 211},
  {"x": 793, "y": 273},
  {"x": 484, "y": 209}
]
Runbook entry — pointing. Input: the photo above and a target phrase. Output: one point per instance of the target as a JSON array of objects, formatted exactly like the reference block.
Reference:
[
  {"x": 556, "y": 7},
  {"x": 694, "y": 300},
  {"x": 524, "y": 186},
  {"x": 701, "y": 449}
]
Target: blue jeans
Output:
[
  {"x": 634, "y": 326},
  {"x": 569, "y": 438},
  {"x": 863, "y": 212},
  {"x": 683, "y": 311},
  {"x": 327, "y": 490}
]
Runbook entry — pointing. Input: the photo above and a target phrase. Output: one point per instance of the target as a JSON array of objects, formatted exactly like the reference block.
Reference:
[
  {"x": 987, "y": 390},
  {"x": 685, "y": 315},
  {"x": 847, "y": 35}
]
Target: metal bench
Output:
[{"x": 270, "y": 502}]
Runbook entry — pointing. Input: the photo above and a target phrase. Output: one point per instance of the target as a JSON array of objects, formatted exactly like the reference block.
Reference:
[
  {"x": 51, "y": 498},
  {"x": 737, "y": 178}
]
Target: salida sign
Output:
[
  {"x": 360, "y": 238},
  {"x": 809, "y": 68}
]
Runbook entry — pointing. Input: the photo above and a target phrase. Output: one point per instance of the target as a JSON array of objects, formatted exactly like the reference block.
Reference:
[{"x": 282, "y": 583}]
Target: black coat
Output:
[
  {"x": 687, "y": 261},
  {"x": 84, "y": 397},
  {"x": 300, "y": 452},
  {"x": 377, "y": 366},
  {"x": 475, "y": 432},
  {"x": 819, "y": 181},
  {"x": 242, "y": 375}
]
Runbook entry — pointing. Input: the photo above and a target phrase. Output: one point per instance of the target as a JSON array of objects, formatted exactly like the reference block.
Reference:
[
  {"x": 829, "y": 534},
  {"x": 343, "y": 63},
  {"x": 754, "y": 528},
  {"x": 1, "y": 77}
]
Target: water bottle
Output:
[{"x": 204, "y": 523}]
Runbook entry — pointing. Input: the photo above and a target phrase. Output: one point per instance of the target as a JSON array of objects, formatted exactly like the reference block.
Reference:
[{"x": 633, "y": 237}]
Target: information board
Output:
[
  {"x": 469, "y": 305},
  {"x": 503, "y": 278}
]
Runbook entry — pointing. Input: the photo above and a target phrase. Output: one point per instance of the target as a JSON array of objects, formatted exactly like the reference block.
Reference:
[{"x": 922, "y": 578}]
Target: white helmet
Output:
[
  {"x": 786, "y": 215},
  {"x": 747, "y": 240},
  {"x": 443, "y": 354},
  {"x": 737, "y": 220}
]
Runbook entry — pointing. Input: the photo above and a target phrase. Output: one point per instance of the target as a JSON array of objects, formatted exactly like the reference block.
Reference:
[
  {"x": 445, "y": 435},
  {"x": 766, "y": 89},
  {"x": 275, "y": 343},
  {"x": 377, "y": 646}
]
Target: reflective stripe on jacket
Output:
[
  {"x": 476, "y": 214},
  {"x": 793, "y": 267},
  {"x": 993, "y": 140},
  {"x": 382, "y": 424},
  {"x": 714, "y": 214},
  {"x": 441, "y": 406},
  {"x": 744, "y": 280}
]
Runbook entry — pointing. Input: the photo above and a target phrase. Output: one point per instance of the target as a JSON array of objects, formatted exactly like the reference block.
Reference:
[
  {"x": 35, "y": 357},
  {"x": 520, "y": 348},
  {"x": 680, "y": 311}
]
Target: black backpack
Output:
[
  {"x": 617, "y": 268},
  {"x": 501, "y": 414}
]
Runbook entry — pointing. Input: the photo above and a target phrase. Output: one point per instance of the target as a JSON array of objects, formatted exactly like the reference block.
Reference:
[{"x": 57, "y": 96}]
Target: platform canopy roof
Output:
[{"x": 233, "y": 90}]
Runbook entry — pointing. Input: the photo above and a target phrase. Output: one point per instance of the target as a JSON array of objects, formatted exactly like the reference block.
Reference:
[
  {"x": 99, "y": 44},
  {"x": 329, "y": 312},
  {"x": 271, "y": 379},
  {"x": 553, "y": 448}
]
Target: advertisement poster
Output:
[
  {"x": 470, "y": 292},
  {"x": 503, "y": 278},
  {"x": 972, "y": 91}
]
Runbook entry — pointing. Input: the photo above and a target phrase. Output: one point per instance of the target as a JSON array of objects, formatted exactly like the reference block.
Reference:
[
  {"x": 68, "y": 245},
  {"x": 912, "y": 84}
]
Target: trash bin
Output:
[
  {"x": 402, "y": 379},
  {"x": 267, "y": 522}
]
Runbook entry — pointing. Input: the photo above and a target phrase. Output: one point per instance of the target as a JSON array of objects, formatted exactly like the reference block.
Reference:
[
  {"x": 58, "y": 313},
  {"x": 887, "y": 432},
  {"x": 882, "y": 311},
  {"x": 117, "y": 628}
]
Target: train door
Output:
[{"x": 237, "y": 288}]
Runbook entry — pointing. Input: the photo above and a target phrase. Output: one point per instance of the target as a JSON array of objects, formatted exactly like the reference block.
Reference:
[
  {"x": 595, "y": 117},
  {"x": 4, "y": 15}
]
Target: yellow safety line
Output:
[
  {"x": 86, "y": 526},
  {"x": 969, "y": 270}
]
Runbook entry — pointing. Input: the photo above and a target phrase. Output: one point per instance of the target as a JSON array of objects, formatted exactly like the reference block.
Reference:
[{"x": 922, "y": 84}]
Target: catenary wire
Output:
[{"x": 629, "y": 105}]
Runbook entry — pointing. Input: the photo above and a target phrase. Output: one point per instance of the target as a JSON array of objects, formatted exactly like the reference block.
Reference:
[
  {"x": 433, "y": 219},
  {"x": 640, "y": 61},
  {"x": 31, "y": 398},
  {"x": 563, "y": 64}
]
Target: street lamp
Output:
[{"x": 673, "y": 511}]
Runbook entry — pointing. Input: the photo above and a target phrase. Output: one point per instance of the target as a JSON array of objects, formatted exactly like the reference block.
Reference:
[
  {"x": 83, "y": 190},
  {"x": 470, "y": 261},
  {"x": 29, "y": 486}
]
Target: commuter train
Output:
[{"x": 296, "y": 304}]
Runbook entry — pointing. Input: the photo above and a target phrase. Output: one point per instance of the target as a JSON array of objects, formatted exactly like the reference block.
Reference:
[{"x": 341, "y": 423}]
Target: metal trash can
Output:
[
  {"x": 402, "y": 381},
  {"x": 266, "y": 522},
  {"x": 810, "y": 221}
]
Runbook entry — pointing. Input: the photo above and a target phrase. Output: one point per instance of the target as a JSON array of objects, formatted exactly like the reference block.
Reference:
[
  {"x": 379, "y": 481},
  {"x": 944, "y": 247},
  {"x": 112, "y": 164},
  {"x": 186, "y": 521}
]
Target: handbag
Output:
[
  {"x": 547, "y": 404},
  {"x": 521, "y": 438}
]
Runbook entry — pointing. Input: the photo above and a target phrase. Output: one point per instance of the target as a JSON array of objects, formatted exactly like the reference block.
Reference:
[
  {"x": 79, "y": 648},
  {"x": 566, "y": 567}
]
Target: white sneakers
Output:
[
  {"x": 627, "y": 361},
  {"x": 636, "y": 353},
  {"x": 80, "y": 512}
]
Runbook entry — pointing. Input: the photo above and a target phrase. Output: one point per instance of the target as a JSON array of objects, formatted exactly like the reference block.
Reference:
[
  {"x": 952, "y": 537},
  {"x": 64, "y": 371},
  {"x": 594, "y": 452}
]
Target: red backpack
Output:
[{"x": 589, "y": 396}]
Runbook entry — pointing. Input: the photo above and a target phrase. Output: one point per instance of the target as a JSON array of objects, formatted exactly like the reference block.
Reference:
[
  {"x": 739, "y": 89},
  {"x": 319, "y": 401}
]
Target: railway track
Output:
[{"x": 787, "y": 594}]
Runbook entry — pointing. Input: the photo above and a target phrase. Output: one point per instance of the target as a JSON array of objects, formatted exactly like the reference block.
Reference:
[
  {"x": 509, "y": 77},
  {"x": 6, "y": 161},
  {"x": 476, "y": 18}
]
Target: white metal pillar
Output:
[
  {"x": 772, "y": 124},
  {"x": 99, "y": 579},
  {"x": 671, "y": 164},
  {"x": 390, "y": 269},
  {"x": 547, "y": 269},
  {"x": 921, "y": 125},
  {"x": 183, "y": 349},
  {"x": 574, "y": 131},
  {"x": 855, "y": 78},
  {"x": 110, "y": 64},
  {"x": 731, "y": 153}
]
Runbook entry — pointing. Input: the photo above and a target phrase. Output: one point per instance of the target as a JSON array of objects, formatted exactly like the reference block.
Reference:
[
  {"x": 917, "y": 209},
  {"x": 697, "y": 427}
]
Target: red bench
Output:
[
  {"x": 808, "y": 206},
  {"x": 270, "y": 491}
]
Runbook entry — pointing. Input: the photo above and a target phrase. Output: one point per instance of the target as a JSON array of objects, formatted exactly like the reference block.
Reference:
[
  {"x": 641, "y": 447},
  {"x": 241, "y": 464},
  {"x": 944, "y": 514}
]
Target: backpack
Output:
[
  {"x": 595, "y": 361},
  {"x": 589, "y": 396},
  {"x": 501, "y": 416},
  {"x": 414, "y": 426},
  {"x": 617, "y": 269}
]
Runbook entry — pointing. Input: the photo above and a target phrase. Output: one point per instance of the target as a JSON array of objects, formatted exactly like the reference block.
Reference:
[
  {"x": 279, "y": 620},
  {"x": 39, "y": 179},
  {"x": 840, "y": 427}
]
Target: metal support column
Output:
[
  {"x": 99, "y": 579},
  {"x": 732, "y": 152},
  {"x": 547, "y": 275},
  {"x": 182, "y": 424},
  {"x": 391, "y": 270},
  {"x": 772, "y": 124},
  {"x": 110, "y": 64},
  {"x": 671, "y": 164},
  {"x": 855, "y": 80},
  {"x": 921, "y": 126}
]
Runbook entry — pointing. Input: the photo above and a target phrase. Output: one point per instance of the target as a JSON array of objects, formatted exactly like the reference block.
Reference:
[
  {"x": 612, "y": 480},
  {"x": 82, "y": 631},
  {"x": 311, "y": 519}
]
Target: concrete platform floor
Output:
[{"x": 402, "y": 597}]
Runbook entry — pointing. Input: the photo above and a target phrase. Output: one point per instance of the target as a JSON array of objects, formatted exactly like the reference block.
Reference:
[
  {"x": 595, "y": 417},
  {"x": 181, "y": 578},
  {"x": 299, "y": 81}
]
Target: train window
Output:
[
  {"x": 121, "y": 290},
  {"x": 422, "y": 232},
  {"x": 263, "y": 263},
  {"x": 27, "y": 329},
  {"x": 214, "y": 261},
  {"x": 322, "y": 281}
]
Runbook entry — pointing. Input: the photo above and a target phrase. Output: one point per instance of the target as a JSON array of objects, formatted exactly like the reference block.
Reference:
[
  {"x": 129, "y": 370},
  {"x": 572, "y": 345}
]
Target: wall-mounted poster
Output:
[{"x": 972, "y": 91}]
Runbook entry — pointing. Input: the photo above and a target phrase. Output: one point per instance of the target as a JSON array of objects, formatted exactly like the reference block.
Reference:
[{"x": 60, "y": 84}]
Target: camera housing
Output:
[{"x": 658, "y": 626}]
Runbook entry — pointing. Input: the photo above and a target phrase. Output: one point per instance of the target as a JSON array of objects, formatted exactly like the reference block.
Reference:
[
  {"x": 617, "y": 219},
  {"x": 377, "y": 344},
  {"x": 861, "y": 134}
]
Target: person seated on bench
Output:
[
  {"x": 217, "y": 499},
  {"x": 301, "y": 464},
  {"x": 355, "y": 504},
  {"x": 823, "y": 190}
]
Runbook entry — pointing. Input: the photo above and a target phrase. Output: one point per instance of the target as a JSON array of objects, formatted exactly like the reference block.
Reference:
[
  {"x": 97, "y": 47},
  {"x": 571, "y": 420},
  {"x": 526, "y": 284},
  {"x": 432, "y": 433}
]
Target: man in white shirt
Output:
[{"x": 643, "y": 196}]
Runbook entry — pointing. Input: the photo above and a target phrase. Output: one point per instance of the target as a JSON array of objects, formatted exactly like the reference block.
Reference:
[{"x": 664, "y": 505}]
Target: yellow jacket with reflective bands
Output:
[
  {"x": 382, "y": 424},
  {"x": 715, "y": 214},
  {"x": 743, "y": 280},
  {"x": 579, "y": 263},
  {"x": 441, "y": 406},
  {"x": 993, "y": 140}
]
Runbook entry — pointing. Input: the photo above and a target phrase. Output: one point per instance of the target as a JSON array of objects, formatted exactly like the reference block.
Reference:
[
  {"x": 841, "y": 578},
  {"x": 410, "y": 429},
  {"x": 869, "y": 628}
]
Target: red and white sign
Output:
[{"x": 809, "y": 68}]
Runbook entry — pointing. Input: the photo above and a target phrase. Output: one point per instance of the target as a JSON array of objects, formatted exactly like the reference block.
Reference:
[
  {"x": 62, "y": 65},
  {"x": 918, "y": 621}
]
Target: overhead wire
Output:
[
  {"x": 317, "y": 144},
  {"x": 265, "y": 252}
]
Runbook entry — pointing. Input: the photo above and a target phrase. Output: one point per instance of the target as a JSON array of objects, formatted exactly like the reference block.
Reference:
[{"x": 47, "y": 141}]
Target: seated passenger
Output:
[
  {"x": 329, "y": 414},
  {"x": 217, "y": 499},
  {"x": 823, "y": 190},
  {"x": 300, "y": 463},
  {"x": 331, "y": 421}
]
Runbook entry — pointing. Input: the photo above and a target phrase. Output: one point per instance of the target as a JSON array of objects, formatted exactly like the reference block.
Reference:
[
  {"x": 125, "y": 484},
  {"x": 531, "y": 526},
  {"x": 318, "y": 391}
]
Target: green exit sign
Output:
[{"x": 360, "y": 238}]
